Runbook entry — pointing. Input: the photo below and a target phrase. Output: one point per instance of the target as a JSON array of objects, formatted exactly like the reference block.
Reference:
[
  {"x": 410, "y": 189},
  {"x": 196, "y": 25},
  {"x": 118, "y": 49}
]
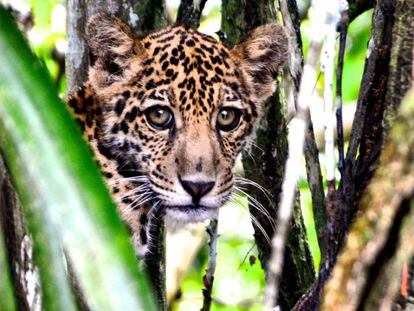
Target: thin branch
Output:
[
  {"x": 325, "y": 18},
  {"x": 357, "y": 7},
  {"x": 343, "y": 30},
  {"x": 327, "y": 63},
  {"x": 296, "y": 139},
  {"x": 78, "y": 291},
  {"x": 375, "y": 54},
  {"x": 208, "y": 278},
  {"x": 245, "y": 256},
  {"x": 291, "y": 21}
]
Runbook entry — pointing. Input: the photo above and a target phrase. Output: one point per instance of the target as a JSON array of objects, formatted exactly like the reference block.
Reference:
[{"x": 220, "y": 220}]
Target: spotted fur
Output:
[{"x": 194, "y": 76}]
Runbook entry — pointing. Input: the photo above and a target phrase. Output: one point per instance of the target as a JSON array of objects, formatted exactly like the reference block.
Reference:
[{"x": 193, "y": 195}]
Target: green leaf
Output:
[{"x": 60, "y": 187}]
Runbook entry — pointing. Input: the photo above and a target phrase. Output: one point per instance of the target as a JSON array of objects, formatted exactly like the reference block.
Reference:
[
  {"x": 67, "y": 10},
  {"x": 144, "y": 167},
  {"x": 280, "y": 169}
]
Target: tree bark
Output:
[
  {"x": 366, "y": 276},
  {"x": 76, "y": 60},
  {"x": 400, "y": 72},
  {"x": 267, "y": 161},
  {"x": 19, "y": 246},
  {"x": 189, "y": 12}
]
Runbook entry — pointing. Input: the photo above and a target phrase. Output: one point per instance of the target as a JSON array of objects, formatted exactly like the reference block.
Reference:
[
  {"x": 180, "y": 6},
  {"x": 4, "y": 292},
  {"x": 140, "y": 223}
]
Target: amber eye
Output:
[
  {"x": 160, "y": 117},
  {"x": 228, "y": 119}
]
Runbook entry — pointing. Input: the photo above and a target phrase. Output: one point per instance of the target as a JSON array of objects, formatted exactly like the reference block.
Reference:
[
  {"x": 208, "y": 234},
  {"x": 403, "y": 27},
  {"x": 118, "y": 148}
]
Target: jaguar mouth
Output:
[
  {"x": 192, "y": 207},
  {"x": 182, "y": 214}
]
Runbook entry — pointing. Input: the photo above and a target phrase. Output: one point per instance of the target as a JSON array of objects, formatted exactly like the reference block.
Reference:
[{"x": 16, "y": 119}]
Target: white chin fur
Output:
[{"x": 175, "y": 218}]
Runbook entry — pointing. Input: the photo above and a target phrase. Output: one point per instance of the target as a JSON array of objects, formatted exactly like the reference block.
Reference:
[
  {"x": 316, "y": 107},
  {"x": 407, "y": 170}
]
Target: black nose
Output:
[{"x": 197, "y": 189}]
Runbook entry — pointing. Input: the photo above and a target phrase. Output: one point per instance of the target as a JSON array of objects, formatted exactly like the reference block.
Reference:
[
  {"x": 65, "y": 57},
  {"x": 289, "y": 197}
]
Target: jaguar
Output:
[{"x": 167, "y": 114}]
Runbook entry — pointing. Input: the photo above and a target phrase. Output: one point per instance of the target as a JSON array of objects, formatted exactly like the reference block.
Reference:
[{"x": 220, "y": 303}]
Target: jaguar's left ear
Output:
[{"x": 261, "y": 55}]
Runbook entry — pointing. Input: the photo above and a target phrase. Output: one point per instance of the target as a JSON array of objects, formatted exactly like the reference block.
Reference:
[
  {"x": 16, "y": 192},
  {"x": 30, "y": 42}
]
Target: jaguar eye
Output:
[
  {"x": 159, "y": 117},
  {"x": 228, "y": 119}
]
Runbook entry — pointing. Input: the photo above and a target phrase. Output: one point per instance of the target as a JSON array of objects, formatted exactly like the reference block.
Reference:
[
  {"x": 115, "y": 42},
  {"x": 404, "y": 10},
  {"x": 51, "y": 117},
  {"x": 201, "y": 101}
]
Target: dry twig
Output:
[
  {"x": 343, "y": 30},
  {"x": 208, "y": 278}
]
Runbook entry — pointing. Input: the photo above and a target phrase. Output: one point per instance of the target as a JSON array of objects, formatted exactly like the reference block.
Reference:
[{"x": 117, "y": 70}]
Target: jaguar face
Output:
[{"x": 179, "y": 108}]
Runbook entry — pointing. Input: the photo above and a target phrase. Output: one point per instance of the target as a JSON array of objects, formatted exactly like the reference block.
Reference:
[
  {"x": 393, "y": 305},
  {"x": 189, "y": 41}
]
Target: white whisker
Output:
[
  {"x": 245, "y": 181},
  {"x": 235, "y": 200},
  {"x": 257, "y": 205}
]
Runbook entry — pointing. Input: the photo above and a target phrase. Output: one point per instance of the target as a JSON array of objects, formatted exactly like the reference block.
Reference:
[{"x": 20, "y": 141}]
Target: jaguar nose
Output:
[{"x": 197, "y": 189}]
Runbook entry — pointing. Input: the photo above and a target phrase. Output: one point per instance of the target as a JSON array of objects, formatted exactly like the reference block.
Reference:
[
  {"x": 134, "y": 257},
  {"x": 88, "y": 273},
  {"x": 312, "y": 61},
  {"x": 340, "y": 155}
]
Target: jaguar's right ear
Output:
[
  {"x": 113, "y": 49},
  {"x": 260, "y": 57}
]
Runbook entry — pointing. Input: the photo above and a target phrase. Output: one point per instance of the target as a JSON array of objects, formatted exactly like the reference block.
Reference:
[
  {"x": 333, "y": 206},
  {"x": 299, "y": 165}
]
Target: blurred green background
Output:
[{"x": 239, "y": 281}]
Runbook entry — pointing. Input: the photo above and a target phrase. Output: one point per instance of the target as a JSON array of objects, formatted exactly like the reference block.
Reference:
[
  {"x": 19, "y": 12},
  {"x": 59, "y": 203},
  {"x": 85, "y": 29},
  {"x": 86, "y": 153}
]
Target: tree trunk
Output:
[
  {"x": 142, "y": 15},
  {"x": 266, "y": 162},
  {"x": 189, "y": 12},
  {"x": 400, "y": 71},
  {"x": 367, "y": 274}
]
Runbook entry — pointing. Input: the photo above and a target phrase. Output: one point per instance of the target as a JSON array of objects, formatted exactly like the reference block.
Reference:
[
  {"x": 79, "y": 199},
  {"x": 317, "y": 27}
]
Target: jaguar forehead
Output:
[{"x": 193, "y": 64}]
